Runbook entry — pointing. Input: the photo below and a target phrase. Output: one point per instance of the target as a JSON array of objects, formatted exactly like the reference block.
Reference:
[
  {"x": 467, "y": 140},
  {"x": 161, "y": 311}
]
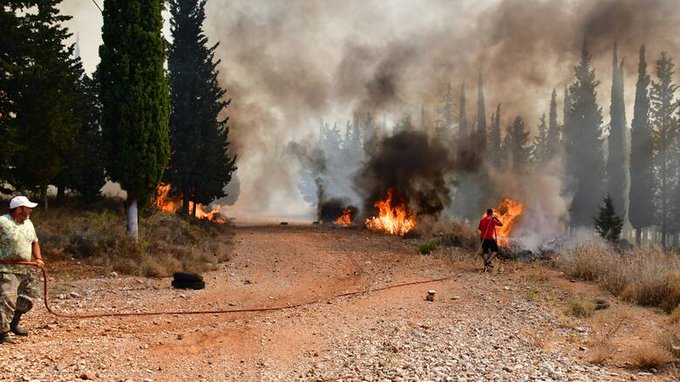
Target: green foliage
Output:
[
  {"x": 427, "y": 248},
  {"x": 39, "y": 87},
  {"x": 618, "y": 154},
  {"x": 516, "y": 143},
  {"x": 134, "y": 96},
  {"x": 642, "y": 151},
  {"x": 665, "y": 135},
  {"x": 607, "y": 223},
  {"x": 583, "y": 144},
  {"x": 198, "y": 133}
]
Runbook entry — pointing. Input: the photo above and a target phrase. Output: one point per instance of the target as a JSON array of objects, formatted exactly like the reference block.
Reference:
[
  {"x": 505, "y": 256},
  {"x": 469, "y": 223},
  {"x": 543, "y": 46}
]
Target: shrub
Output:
[
  {"x": 649, "y": 357},
  {"x": 167, "y": 243},
  {"x": 580, "y": 306},
  {"x": 427, "y": 248}
]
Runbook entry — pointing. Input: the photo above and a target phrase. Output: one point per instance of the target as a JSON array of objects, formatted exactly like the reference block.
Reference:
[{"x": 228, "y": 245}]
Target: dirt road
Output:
[{"x": 509, "y": 325}]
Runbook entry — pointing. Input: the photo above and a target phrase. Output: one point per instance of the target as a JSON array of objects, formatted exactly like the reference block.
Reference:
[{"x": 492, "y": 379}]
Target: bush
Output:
[
  {"x": 427, "y": 248},
  {"x": 580, "y": 306},
  {"x": 167, "y": 243}
]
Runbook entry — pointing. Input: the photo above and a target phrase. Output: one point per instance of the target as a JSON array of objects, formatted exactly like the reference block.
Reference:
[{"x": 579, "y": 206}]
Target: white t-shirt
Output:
[{"x": 16, "y": 242}]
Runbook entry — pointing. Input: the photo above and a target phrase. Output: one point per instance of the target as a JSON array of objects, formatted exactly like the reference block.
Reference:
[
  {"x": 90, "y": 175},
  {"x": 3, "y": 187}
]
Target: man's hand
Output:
[{"x": 40, "y": 263}]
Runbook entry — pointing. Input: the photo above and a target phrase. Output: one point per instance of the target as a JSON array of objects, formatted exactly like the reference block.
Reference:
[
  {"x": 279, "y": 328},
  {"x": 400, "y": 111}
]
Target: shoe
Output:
[
  {"x": 14, "y": 325},
  {"x": 5, "y": 338}
]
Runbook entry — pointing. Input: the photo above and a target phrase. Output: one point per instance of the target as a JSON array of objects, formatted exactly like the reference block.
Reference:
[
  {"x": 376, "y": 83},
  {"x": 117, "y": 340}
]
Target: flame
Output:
[
  {"x": 167, "y": 204},
  {"x": 393, "y": 219},
  {"x": 346, "y": 218},
  {"x": 508, "y": 211}
]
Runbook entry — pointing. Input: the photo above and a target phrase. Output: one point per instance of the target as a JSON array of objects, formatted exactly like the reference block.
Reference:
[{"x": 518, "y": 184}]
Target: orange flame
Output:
[
  {"x": 167, "y": 204},
  {"x": 346, "y": 218},
  {"x": 508, "y": 212},
  {"x": 393, "y": 219}
]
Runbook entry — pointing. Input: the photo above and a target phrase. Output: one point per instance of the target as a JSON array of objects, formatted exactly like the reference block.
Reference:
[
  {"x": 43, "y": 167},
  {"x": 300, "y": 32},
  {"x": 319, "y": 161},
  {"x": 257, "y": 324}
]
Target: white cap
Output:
[{"x": 21, "y": 201}]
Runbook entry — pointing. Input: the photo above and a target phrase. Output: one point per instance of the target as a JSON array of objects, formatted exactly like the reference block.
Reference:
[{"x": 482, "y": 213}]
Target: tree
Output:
[
  {"x": 553, "y": 140},
  {"x": 198, "y": 135},
  {"x": 583, "y": 143},
  {"x": 446, "y": 115},
  {"x": 539, "y": 150},
  {"x": 618, "y": 158},
  {"x": 641, "y": 157},
  {"x": 84, "y": 170},
  {"x": 607, "y": 223},
  {"x": 496, "y": 151},
  {"x": 135, "y": 100},
  {"x": 516, "y": 143},
  {"x": 462, "y": 118},
  {"x": 480, "y": 140},
  {"x": 665, "y": 132},
  {"x": 43, "y": 93}
]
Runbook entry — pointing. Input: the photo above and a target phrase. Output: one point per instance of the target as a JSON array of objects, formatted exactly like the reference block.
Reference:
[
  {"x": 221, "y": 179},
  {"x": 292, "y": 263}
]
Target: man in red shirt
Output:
[{"x": 487, "y": 228}]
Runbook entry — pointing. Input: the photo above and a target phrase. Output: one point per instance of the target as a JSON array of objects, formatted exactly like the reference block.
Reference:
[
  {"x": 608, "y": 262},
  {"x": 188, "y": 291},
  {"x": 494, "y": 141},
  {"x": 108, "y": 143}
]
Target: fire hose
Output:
[{"x": 219, "y": 311}]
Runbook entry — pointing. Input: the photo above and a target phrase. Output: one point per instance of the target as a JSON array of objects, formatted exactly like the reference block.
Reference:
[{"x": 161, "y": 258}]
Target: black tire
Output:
[{"x": 187, "y": 280}]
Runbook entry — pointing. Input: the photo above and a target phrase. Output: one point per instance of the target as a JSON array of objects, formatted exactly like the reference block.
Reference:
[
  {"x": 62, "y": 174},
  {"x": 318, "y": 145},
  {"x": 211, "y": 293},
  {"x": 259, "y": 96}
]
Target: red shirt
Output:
[{"x": 487, "y": 226}]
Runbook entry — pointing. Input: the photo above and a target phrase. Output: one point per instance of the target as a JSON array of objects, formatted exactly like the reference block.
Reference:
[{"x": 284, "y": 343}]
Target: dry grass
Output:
[
  {"x": 602, "y": 348},
  {"x": 649, "y": 356},
  {"x": 648, "y": 277},
  {"x": 167, "y": 243},
  {"x": 670, "y": 340},
  {"x": 580, "y": 306}
]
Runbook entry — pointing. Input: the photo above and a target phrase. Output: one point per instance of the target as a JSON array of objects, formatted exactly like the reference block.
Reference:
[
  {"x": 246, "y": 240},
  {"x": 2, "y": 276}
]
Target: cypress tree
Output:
[
  {"x": 608, "y": 223},
  {"x": 665, "y": 132},
  {"x": 197, "y": 133},
  {"x": 481, "y": 115},
  {"x": 539, "y": 150},
  {"x": 446, "y": 115},
  {"x": 135, "y": 100},
  {"x": 583, "y": 145},
  {"x": 641, "y": 157},
  {"x": 462, "y": 118},
  {"x": 618, "y": 158},
  {"x": 44, "y": 101},
  {"x": 553, "y": 140},
  {"x": 496, "y": 151}
]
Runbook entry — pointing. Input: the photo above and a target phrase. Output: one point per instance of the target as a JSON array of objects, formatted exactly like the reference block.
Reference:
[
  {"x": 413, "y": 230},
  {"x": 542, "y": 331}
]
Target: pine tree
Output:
[
  {"x": 135, "y": 100},
  {"x": 607, "y": 223},
  {"x": 665, "y": 131},
  {"x": 44, "y": 129},
  {"x": 516, "y": 144},
  {"x": 618, "y": 158},
  {"x": 583, "y": 143},
  {"x": 553, "y": 140},
  {"x": 641, "y": 157},
  {"x": 84, "y": 170},
  {"x": 198, "y": 135}
]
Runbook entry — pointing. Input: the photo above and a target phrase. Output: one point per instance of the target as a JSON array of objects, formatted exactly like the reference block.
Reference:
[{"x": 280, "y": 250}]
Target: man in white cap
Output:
[{"x": 18, "y": 283}]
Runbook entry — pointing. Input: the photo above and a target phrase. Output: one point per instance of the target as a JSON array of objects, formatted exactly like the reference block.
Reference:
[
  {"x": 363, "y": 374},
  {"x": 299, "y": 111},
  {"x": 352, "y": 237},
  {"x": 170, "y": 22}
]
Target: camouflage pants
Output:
[{"x": 17, "y": 292}]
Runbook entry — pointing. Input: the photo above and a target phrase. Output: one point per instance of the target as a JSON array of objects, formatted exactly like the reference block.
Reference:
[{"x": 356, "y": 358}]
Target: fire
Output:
[
  {"x": 508, "y": 212},
  {"x": 346, "y": 217},
  {"x": 393, "y": 219},
  {"x": 167, "y": 204}
]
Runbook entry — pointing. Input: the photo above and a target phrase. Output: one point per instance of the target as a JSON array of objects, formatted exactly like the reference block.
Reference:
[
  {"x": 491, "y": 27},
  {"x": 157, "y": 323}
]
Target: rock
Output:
[
  {"x": 88, "y": 376},
  {"x": 74, "y": 294}
]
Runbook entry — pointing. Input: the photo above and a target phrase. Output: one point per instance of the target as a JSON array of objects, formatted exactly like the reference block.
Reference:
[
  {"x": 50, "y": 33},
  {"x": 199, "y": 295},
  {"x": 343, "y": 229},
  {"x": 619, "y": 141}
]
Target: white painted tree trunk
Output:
[{"x": 132, "y": 223}]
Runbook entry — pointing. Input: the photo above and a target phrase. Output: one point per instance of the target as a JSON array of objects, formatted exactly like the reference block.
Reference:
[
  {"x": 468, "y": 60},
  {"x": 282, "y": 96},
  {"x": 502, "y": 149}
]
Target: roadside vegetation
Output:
[{"x": 96, "y": 236}]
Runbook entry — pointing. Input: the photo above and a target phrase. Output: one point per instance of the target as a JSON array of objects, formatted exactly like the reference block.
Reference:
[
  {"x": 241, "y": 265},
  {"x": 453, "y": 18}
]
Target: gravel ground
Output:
[{"x": 480, "y": 327}]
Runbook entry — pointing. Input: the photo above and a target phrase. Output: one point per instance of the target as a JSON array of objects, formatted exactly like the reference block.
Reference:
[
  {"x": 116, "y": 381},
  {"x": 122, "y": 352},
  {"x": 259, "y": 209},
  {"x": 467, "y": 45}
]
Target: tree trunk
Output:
[
  {"x": 638, "y": 237},
  {"x": 60, "y": 195},
  {"x": 185, "y": 203},
  {"x": 132, "y": 223},
  {"x": 43, "y": 197}
]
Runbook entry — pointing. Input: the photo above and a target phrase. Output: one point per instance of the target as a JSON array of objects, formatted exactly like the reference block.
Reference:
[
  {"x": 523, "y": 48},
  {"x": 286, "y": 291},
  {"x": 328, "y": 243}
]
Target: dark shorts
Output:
[{"x": 489, "y": 244}]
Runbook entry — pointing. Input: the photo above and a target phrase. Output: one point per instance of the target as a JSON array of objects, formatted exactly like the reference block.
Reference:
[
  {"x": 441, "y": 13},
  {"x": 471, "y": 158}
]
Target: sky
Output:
[{"x": 287, "y": 64}]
